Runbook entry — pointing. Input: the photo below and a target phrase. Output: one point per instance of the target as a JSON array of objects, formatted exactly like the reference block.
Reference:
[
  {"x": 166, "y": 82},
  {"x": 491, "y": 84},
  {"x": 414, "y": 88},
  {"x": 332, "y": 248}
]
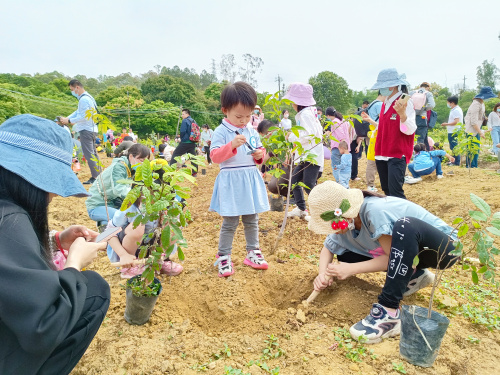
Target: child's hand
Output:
[
  {"x": 259, "y": 154},
  {"x": 321, "y": 282},
  {"x": 127, "y": 261},
  {"x": 452, "y": 159},
  {"x": 339, "y": 270},
  {"x": 356, "y": 150},
  {"x": 82, "y": 253},
  {"x": 238, "y": 141}
]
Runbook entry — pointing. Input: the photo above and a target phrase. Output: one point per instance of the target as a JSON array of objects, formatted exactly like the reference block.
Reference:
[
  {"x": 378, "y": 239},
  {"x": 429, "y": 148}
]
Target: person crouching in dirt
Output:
[
  {"x": 370, "y": 233},
  {"x": 48, "y": 318},
  {"x": 124, "y": 247},
  {"x": 107, "y": 184}
]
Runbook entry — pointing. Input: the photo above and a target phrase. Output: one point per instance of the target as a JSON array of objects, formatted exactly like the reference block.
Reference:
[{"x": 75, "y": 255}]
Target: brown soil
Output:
[{"x": 198, "y": 313}]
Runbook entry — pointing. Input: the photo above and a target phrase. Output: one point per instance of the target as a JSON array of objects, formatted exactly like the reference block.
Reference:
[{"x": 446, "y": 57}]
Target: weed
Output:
[
  {"x": 200, "y": 367},
  {"x": 228, "y": 370},
  {"x": 222, "y": 353},
  {"x": 264, "y": 366},
  {"x": 472, "y": 339},
  {"x": 483, "y": 315},
  {"x": 272, "y": 349},
  {"x": 398, "y": 367},
  {"x": 293, "y": 256},
  {"x": 354, "y": 350},
  {"x": 183, "y": 355}
]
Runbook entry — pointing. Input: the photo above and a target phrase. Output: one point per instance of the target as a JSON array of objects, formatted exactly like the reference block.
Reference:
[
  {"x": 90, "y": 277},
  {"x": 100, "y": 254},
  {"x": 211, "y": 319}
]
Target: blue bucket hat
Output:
[
  {"x": 41, "y": 152},
  {"x": 485, "y": 93},
  {"x": 389, "y": 78}
]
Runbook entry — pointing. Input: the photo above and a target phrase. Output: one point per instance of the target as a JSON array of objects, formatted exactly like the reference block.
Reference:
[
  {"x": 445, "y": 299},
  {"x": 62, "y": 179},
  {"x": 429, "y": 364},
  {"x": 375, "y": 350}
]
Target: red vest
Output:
[{"x": 391, "y": 142}]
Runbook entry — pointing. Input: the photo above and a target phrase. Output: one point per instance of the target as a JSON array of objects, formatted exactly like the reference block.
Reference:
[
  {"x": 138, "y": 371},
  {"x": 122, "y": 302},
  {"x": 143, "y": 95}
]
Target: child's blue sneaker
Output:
[{"x": 376, "y": 326}]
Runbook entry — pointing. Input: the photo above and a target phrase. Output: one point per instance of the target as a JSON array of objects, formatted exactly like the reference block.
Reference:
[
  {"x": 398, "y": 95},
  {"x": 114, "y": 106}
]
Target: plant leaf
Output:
[
  {"x": 344, "y": 206},
  {"x": 463, "y": 230},
  {"x": 416, "y": 260},
  {"x": 458, "y": 220},
  {"x": 494, "y": 231},
  {"x": 483, "y": 269},
  {"x": 475, "y": 277},
  {"x": 327, "y": 215},
  {"x": 478, "y": 215},
  {"x": 165, "y": 237},
  {"x": 481, "y": 204}
]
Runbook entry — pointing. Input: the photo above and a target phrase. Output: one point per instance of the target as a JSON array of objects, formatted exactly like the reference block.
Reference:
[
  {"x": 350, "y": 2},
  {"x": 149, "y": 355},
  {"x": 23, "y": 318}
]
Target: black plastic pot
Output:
[
  {"x": 420, "y": 336},
  {"x": 276, "y": 203},
  {"x": 138, "y": 309}
]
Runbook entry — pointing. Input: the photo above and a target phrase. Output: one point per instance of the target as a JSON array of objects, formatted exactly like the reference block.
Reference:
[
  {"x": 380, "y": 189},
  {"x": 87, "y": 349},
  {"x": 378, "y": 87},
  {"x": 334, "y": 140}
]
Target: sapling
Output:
[
  {"x": 160, "y": 186},
  {"x": 476, "y": 228},
  {"x": 285, "y": 153},
  {"x": 466, "y": 144}
]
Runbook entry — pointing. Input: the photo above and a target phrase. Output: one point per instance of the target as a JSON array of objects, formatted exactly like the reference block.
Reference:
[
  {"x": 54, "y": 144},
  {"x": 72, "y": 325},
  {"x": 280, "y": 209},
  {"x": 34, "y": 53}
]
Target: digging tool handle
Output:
[
  {"x": 136, "y": 263},
  {"x": 316, "y": 293}
]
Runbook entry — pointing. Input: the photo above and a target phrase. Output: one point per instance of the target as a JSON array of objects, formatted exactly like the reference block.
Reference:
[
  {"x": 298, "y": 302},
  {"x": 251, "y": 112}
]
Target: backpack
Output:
[
  {"x": 419, "y": 99},
  {"x": 431, "y": 122},
  {"x": 363, "y": 127},
  {"x": 195, "y": 132}
]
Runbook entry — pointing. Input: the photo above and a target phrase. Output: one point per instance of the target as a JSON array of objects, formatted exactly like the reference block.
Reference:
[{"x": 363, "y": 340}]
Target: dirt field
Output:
[{"x": 199, "y": 315}]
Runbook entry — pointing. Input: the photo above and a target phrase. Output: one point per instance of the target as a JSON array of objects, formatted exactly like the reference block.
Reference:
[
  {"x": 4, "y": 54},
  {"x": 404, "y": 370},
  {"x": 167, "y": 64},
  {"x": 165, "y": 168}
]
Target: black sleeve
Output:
[{"x": 39, "y": 305}]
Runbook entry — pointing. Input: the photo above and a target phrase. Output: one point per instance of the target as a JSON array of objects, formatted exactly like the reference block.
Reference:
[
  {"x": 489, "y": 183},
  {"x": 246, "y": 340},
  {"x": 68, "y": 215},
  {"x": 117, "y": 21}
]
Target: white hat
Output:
[{"x": 330, "y": 196}]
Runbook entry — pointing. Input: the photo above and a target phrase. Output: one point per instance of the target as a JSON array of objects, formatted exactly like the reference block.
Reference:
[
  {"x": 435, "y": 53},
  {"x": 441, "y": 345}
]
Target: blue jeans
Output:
[
  {"x": 437, "y": 166},
  {"x": 99, "y": 213},
  {"x": 495, "y": 136},
  {"x": 472, "y": 163},
  {"x": 452, "y": 139},
  {"x": 335, "y": 160}
]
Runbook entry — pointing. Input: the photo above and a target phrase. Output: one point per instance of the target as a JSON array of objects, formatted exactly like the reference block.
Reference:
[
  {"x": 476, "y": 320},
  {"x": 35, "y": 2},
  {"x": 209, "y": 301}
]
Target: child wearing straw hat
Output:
[{"x": 359, "y": 223}]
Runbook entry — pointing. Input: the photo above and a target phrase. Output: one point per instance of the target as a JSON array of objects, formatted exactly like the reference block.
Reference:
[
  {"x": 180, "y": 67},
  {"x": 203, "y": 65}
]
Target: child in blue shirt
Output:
[
  {"x": 425, "y": 162},
  {"x": 342, "y": 172},
  {"x": 239, "y": 189}
]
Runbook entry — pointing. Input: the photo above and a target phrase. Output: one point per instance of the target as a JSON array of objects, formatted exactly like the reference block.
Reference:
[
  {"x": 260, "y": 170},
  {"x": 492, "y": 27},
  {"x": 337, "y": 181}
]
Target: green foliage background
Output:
[{"x": 155, "y": 97}]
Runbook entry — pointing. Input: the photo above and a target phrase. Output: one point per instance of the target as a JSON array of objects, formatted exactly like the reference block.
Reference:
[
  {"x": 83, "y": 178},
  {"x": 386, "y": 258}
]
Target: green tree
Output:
[
  {"x": 168, "y": 89},
  {"x": 113, "y": 92},
  {"x": 360, "y": 96},
  {"x": 331, "y": 89},
  {"x": 487, "y": 74}
]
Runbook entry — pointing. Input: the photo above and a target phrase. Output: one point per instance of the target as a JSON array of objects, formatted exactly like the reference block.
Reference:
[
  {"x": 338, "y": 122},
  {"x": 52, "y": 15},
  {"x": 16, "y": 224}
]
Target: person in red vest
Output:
[{"x": 396, "y": 131}]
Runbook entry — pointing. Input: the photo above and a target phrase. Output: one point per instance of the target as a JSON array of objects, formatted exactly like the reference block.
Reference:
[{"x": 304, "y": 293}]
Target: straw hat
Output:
[{"x": 328, "y": 196}]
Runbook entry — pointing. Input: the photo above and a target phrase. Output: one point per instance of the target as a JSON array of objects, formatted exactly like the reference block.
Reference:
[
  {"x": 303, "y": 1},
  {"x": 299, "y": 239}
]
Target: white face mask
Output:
[
  {"x": 285, "y": 115},
  {"x": 351, "y": 225}
]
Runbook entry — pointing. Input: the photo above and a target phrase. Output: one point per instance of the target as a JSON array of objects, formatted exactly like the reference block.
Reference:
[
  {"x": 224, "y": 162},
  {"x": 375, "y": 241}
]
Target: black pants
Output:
[
  {"x": 422, "y": 131},
  {"x": 207, "y": 151},
  {"x": 355, "y": 155},
  {"x": 409, "y": 238},
  {"x": 184, "y": 148},
  {"x": 68, "y": 353},
  {"x": 392, "y": 176},
  {"x": 308, "y": 174}
]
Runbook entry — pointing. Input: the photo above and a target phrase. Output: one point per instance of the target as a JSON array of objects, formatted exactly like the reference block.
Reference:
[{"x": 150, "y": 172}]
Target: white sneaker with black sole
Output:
[
  {"x": 297, "y": 212},
  {"x": 424, "y": 280}
]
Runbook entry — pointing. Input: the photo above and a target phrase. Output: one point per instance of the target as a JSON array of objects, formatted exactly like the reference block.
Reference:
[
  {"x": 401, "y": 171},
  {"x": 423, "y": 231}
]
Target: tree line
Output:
[{"x": 154, "y": 98}]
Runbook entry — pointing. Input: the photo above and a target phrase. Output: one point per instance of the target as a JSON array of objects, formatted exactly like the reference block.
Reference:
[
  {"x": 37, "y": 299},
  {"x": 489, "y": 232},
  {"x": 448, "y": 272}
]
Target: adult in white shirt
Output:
[
  {"x": 206, "y": 139},
  {"x": 494, "y": 127},
  {"x": 285, "y": 123},
  {"x": 456, "y": 116}
]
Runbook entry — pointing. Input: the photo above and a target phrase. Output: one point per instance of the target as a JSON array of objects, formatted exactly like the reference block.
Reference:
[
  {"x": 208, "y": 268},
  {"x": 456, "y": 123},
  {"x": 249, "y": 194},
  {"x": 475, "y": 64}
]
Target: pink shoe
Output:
[
  {"x": 255, "y": 260},
  {"x": 225, "y": 265},
  {"x": 171, "y": 268},
  {"x": 127, "y": 273}
]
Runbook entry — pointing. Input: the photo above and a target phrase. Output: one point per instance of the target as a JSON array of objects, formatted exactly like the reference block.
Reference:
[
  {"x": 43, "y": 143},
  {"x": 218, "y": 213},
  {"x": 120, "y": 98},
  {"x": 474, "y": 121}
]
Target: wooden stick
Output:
[
  {"x": 316, "y": 293},
  {"x": 136, "y": 262}
]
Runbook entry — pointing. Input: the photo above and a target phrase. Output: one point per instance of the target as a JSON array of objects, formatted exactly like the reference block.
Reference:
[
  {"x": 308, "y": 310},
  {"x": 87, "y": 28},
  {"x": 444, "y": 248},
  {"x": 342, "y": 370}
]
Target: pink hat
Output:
[{"x": 300, "y": 94}]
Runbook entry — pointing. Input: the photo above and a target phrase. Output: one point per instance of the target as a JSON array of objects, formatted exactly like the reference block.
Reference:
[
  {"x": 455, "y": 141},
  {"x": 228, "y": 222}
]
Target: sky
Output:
[{"x": 435, "y": 41}]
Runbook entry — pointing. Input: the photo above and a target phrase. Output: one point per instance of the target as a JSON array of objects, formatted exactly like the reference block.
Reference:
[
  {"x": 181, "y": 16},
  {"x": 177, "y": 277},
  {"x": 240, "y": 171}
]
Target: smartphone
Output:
[
  {"x": 107, "y": 234},
  {"x": 404, "y": 98}
]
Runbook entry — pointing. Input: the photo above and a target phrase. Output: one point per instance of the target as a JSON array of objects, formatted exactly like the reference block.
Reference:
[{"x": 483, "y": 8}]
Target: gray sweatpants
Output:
[
  {"x": 88, "y": 149},
  {"x": 229, "y": 225}
]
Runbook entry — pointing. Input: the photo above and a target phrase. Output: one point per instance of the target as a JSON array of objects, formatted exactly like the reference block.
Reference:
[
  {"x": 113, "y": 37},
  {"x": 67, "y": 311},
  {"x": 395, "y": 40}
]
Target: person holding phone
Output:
[
  {"x": 48, "y": 318},
  {"x": 396, "y": 131}
]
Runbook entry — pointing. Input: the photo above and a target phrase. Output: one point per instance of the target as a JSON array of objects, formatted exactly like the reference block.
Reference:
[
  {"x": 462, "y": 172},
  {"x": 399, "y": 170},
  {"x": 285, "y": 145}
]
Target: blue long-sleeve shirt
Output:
[
  {"x": 85, "y": 102},
  {"x": 185, "y": 131},
  {"x": 423, "y": 159}
]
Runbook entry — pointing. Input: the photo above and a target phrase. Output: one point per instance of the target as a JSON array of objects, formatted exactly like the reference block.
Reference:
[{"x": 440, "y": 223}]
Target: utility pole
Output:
[
  {"x": 464, "y": 83},
  {"x": 279, "y": 86},
  {"x": 128, "y": 104}
]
